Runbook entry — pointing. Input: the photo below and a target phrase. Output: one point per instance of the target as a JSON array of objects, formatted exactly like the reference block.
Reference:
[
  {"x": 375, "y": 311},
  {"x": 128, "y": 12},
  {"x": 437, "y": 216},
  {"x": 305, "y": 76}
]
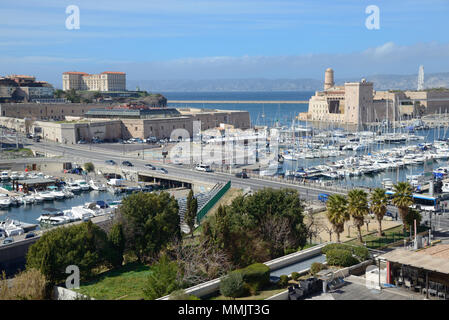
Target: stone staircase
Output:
[{"x": 203, "y": 198}]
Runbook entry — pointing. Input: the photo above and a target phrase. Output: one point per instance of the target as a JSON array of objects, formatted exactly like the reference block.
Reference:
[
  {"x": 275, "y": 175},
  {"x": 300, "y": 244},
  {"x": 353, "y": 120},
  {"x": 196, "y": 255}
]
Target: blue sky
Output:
[{"x": 186, "y": 39}]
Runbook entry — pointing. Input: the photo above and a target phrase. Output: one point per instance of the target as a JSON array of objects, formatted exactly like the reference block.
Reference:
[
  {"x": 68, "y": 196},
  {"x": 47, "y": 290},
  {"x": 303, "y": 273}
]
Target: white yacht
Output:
[
  {"x": 95, "y": 185},
  {"x": 4, "y": 175},
  {"x": 46, "y": 195},
  {"x": 74, "y": 187},
  {"x": 53, "y": 216},
  {"x": 58, "y": 194},
  {"x": 5, "y": 201},
  {"x": 83, "y": 185},
  {"x": 38, "y": 198}
]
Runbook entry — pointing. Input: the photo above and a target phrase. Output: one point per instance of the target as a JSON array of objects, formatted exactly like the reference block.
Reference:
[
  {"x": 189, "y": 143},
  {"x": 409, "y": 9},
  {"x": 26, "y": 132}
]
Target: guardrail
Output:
[{"x": 205, "y": 209}]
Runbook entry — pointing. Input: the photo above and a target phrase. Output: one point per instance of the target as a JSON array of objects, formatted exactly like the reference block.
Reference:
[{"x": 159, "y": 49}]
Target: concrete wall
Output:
[
  {"x": 44, "y": 111},
  {"x": 212, "y": 286},
  {"x": 61, "y": 293}
]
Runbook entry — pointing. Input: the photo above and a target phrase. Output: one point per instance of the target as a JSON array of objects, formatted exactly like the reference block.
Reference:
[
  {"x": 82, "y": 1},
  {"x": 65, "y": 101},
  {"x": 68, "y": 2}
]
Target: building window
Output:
[{"x": 136, "y": 128}]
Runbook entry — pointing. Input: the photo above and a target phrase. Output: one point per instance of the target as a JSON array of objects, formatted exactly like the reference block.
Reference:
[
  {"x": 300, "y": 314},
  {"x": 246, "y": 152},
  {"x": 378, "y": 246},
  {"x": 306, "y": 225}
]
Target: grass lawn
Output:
[
  {"x": 262, "y": 295},
  {"x": 390, "y": 236},
  {"x": 125, "y": 283}
]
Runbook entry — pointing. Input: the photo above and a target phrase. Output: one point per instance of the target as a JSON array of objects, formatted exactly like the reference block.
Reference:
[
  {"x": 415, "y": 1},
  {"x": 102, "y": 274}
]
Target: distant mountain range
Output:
[{"x": 381, "y": 82}]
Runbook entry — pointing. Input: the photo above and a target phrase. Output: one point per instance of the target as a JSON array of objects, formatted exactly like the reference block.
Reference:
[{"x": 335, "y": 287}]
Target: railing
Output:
[{"x": 205, "y": 209}]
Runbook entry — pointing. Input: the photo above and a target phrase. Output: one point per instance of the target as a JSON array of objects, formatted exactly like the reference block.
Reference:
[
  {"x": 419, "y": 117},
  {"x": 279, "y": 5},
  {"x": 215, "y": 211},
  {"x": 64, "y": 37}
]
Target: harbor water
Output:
[{"x": 30, "y": 212}]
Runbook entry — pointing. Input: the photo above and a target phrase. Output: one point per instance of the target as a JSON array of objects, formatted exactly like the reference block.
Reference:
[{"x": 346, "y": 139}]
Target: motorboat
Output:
[
  {"x": 4, "y": 176},
  {"x": 58, "y": 194},
  {"x": 83, "y": 185},
  {"x": 5, "y": 202},
  {"x": 38, "y": 198},
  {"x": 46, "y": 195},
  {"x": 28, "y": 199},
  {"x": 11, "y": 228},
  {"x": 14, "y": 175},
  {"x": 53, "y": 216},
  {"x": 97, "y": 186},
  {"x": 74, "y": 187}
]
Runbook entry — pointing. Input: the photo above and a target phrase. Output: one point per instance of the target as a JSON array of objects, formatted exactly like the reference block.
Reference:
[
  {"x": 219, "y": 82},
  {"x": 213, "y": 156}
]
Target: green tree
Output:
[
  {"x": 150, "y": 222},
  {"x": 412, "y": 215},
  {"x": 116, "y": 238},
  {"x": 232, "y": 285},
  {"x": 402, "y": 199},
  {"x": 379, "y": 201},
  {"x": 358, "y": 208},
  {"x": 163, "y": 279},
  {"x": 84, "y": 245},
  {"x": 191, "y": 211},
  {"x": 337, "y": 213},
  {"x": 259, "y": 227},
  {"x": 89, "y": 166}
]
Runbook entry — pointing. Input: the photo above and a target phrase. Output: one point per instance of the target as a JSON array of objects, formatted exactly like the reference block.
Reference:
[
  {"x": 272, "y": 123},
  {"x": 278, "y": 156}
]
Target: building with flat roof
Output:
[{"x": 105, "y": 81}]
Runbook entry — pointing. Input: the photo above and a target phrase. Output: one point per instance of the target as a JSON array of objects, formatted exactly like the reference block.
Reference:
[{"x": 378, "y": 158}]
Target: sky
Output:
[{"x": 223, "y": 39}]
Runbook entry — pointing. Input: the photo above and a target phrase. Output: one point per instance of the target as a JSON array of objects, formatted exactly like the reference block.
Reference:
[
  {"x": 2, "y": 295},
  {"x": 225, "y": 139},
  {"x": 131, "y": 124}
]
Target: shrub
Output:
[
  {"x": 162, "y": 279},
  {"x": 295, "y": 276},
  {"x": 27, "y": 285},
  {"x": 232, "y": 285},
  {"x": 89, "y": 166},
  {"x": 182, "y": 295},
  {"x": 283, "y": 280},
  {"x": 317, "y": 267},
  {"x": 289, "y": 251},
  {"x": 256, "y": 275},
  {"x": 361, "y": 253},
  {"x": 340, "y": 257}
]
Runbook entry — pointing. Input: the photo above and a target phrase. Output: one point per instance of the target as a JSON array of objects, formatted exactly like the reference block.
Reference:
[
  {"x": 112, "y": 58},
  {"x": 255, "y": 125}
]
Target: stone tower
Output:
[{"x": 328, "y": 79}]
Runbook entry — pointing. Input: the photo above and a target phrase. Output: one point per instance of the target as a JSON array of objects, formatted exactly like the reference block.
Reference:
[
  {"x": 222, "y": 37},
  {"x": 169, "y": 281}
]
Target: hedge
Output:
[
  {"x": 341, "y": 258},
  {"x": 256, "y": 275},
  {"x": 317, "y": 267},
  {"x": 361, "y": 253},
  {"x": 283, "y": 280}
]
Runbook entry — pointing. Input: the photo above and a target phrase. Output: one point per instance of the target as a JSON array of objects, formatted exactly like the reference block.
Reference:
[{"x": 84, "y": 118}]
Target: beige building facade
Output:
[{"x": 105, "y": 81}]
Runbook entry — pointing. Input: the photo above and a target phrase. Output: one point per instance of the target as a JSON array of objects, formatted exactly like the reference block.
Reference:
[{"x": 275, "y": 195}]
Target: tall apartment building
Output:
[{"x": 105, "y": 81}]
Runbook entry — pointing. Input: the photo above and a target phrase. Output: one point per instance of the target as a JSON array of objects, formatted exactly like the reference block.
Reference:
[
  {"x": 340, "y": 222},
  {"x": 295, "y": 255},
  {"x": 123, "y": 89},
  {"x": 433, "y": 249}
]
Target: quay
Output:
[{"x": 242, "y": 101}]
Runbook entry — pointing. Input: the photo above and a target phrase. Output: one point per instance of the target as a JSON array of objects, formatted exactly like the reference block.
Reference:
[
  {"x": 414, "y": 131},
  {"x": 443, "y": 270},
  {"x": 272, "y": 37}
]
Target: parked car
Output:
[
  {"x": 242, "y": 175},
  {"x": 29, "y": 235},
  {"x": 151, "y": 139},
  {"x": 8, "y": 240},
  {"x": 82, "y": 141},
  {"x": 127, "y": 163},
  {"x": 150, "y": 166},
  {"x": 110, "y": 162},
  {"x": 37, "y": 139},
  {"x": 163, "y": 170}
]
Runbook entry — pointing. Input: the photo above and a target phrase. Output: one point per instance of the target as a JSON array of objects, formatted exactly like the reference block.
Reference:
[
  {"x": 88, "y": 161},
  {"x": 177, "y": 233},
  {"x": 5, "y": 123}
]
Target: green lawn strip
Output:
[
  {"x": 269, "y": 291},
  {"x": 391, "y": 235},
  {"x": 126, "y": 283}
]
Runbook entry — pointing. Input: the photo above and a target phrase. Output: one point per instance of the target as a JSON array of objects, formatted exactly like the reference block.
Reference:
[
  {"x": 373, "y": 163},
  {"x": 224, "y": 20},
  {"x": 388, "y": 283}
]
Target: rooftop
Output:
[{"x": 433, "y": 258}]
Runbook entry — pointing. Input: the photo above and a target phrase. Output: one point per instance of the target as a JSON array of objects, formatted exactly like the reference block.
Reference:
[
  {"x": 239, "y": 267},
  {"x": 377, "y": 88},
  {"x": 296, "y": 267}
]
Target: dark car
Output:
[
  {"x": 37, "y": 139},
  {"x": 242, "y": 175},
  {"x": 150, "y": 166},
  {"x": 8, "y": 240},
  {"x": 163, "y": 170},
  {"x": 127, "y": 163},
  {"x": 29, "y": 235},
  {"x": 111, "y": 162}
]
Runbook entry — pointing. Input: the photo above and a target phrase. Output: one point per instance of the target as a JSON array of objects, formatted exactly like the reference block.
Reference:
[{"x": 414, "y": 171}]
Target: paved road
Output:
[{"x": 83, "y": 153}]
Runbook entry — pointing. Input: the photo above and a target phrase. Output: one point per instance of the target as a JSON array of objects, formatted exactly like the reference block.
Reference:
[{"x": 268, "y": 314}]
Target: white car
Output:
[{"x": 203, "y": 167}]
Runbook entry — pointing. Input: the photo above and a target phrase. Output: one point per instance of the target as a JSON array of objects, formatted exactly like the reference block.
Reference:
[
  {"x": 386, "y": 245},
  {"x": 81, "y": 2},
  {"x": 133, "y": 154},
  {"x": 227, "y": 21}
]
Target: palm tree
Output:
[
  {"x": 358, "y": 208},
  {"x": 379, "y": 201},
  {"x": 337, "y": 213},
  {"x": 402, "y": 199}
]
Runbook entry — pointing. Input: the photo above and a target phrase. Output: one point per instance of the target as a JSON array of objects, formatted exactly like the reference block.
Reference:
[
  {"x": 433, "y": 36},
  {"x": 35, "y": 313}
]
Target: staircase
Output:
[{"x": 202, "y": 198}]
